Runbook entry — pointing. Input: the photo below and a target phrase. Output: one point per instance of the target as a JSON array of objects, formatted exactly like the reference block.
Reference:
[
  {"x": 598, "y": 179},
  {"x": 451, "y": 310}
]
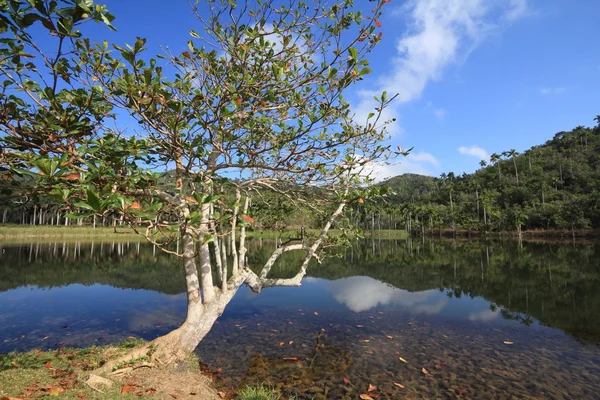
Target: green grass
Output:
[
  {"x": 257, "y": 393},
  {"x": 10, "y": 231},
  {"x": 15, "y": 232},
  {"x": 42, "y": 374}
]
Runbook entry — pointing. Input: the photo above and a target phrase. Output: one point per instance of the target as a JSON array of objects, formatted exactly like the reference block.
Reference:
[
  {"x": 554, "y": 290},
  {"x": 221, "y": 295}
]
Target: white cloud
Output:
[
  {"x": 437, "y": 111},
  {"x": 552, "y": 90},
  {"x": 440, "y": 112},
  {"x": 517, "y": 10},
  {"x": 362, "y": 293},
  {"x": 423, "y": 157},
  {"x": 441, "y": 32},
  {"x": 415, "y": 163},
  {"x": 474, "y": 151}
]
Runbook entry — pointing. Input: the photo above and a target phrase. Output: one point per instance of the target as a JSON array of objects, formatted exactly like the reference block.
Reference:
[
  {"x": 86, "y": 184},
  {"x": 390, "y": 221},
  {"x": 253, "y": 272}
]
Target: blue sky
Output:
[{"x": 474, "y": 76}]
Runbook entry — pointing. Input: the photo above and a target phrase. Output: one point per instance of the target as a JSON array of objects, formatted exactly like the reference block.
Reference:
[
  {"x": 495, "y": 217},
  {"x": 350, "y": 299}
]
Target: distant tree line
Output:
[{"x": 553, "y": 186}]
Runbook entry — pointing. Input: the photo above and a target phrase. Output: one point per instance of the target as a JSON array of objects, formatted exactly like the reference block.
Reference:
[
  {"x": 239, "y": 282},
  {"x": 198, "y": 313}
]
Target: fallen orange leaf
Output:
[
  {"x": 403, "y": 360},
  {"x": 48, "y": 364},
  {"x": 389, "y": 337},
  {"x": 281, "y": 343},
  {"x": 372, "y": 388},
  {"x": 55, "y": 391},
  {"x": 359, "y": 326},
  {"x": 222, "y": 395},
  {"x": 365, "y": 396},
  {"x": 290, "y": 358},
  {"x": 507, "y": 342},
  {"x": 291, "y": 342},
  {"x": 346, "y": 381},
  {"x": 127, "y": 389},
  {"x": 401, "y": 386},
  {"x": 424, "y": 370}
]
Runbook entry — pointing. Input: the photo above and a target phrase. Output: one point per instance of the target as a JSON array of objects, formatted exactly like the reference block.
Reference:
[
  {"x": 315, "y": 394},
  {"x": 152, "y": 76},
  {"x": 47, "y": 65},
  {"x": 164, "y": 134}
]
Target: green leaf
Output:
[
  {"x": 94, "y": 201},
  {"x": 208, "y": 239},
  {"x": 81, "y": 204},
  {"x": 194, "y": 34},
  {"x": 353, "y": 52},
  {"x": 364, "y": 71}
]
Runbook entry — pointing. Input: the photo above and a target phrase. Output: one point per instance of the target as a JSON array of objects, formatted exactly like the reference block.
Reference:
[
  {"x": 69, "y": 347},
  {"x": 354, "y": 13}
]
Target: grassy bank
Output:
[
  {"x": 64, "y": 232},
  {"x": 44, "y": 231},
  {"x": 62, "y": 373}
]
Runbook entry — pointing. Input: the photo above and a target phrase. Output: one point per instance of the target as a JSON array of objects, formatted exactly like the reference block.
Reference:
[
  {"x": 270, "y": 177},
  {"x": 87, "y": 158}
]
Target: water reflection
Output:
[
  {"x": 362, "y": 293},
  {"x": 446, "y": 304}
]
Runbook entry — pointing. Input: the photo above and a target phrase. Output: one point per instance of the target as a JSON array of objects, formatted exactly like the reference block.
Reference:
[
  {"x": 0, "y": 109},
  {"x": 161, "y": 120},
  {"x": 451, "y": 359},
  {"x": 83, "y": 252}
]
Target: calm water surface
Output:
[{"x": 485, "y": 320}]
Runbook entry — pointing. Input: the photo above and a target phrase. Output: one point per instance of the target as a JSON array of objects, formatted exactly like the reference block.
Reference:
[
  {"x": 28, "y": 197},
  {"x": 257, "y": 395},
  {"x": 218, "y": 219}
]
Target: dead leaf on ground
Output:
[
  {"x": 389, "y": 337},
  {"x": 364, "y": 340},
  {"x": 222, "y": 395},
  {"x": 48, "y": 364},
  {"x": 281, "y": 344},
  {"x": 290, "y": 358},
  {"x": 55, "y": 391},
  {"x": 359, "y": 326},
  {"x": 365, "y": 396},
  {"x": 438, "y": 366},
  {"x": 401, "y": 386},
  {"x": 11, "y": 398},
  {"x": 127, "y": 389},
  {"x": 346, "y": 381},
  {"x": 371, "y": 388},
  {"x": 291, "y": 342},
  {"x": 403, "y": 360},
  {"x": 507, "y": 342},
  {"x": 424, "y": 370}
]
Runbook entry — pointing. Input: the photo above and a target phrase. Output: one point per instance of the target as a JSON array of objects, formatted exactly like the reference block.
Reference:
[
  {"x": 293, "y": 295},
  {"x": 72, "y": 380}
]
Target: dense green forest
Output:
[{"x": 553, "y": 186}]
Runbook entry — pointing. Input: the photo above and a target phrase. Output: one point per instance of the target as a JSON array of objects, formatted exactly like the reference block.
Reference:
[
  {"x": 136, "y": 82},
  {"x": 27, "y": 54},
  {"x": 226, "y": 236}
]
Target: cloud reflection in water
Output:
[{"x": 362, "y": 293}]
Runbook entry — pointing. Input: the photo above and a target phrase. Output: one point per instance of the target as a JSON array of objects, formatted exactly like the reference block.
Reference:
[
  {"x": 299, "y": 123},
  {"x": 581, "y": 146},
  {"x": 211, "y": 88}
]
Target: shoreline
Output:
[{"x": 17, "y": 232}]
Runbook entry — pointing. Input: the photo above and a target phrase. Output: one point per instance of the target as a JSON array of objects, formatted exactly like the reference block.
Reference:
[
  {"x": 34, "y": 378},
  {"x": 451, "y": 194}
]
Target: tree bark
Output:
[{"x": 203, "y": 310}]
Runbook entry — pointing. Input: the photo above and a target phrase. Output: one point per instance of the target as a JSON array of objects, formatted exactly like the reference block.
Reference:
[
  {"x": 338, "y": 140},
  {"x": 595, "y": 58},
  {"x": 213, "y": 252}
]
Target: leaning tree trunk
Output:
[{"x": 207, "y": 302}]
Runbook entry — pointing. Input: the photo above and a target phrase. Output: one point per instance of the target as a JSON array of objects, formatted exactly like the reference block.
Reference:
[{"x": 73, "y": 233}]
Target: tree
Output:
[
  {"x": 512, "y": 153},
  {"x": 258, "y": 94},
  {"x": 495, "y": 159}
]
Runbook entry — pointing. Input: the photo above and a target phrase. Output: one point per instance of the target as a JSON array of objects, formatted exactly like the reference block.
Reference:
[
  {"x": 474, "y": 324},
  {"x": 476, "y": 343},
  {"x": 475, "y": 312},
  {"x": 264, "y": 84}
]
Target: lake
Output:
[{"x": 441, "y": 319}]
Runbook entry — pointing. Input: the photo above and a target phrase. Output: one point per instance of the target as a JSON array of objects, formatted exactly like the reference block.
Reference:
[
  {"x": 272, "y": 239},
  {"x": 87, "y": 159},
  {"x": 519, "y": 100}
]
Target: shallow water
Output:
[{"x": 485, "y": 320}]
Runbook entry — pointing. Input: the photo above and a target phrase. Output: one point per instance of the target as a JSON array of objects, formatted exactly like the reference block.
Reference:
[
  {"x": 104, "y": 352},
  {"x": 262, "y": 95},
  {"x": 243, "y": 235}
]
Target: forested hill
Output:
[{"x": 555, "y": 185}]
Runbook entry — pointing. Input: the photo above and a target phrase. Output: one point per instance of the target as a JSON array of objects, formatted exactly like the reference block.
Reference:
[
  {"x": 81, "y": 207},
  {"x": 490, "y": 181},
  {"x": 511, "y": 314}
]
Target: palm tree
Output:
[
  {"x": 495, "y": 159},
  {"x": 512, "y": 153},
  {"x": 482, "y": 163}
]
